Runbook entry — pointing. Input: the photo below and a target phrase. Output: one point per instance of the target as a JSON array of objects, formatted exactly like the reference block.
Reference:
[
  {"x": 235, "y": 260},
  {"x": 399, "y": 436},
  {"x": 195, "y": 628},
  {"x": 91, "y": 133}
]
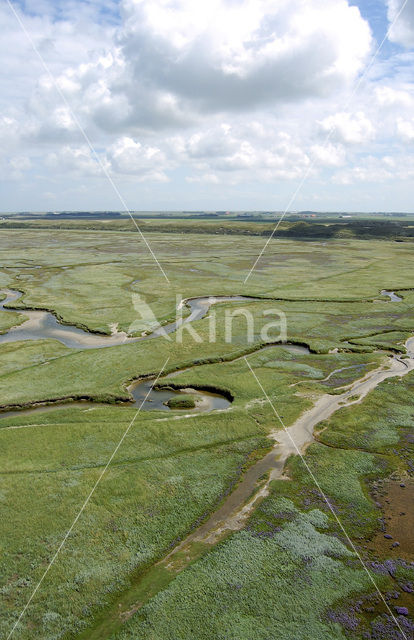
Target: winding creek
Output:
[
  {"x": 232, "y": 514},
  {"x": 42, "y": 325}
]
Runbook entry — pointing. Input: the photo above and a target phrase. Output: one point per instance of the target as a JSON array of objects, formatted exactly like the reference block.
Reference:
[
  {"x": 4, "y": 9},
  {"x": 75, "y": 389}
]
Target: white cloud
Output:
[
  {"x": 172, "y": 62},
  {"x": 403, "y": 30},
  {"x": 238, "y": 152},
  {"x": 128, "y": 156},
  {"x": 222, "y": 55},
  {"x": 348, "y": 128},
  {"x": 377, "y": 170},
  {"x": 328, "y": 155},
  {"x": 405, "y": 129},
  {"x": 75, "y": 159},
  {"x": 396, "y": 98}
]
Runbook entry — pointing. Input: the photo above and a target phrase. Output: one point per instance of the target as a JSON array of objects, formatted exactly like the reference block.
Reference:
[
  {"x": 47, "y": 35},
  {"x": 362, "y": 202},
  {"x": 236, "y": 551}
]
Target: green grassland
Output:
[
  {"x": 9, "y": 319},
  {"x": 291, "y": 573},
  {"x": 169, "y": 473},
  {"x": 164, "y": 480},
  {"x": 16, "y": 356},
  {"x": 103, "y": 373},
  {"x": 88, "y": 277},
  {"x": 172, "y": 470}
]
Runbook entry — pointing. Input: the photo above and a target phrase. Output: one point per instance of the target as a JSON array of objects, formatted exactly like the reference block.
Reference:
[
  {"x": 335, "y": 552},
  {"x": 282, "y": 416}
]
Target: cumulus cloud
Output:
[
  {"x": 348, "y": 128},
  {"x": 232, "y": 152},
  {"x": 403, "y": 30},
  {"x": 376, "y": 170},
  {"x": 399, "y": 98},
  {"x": 129, "y": 156},
  {"x": 174, "y": 61},
  {"x": 328, "y": 155},
  {"x": 405, "y": 129},
  {"x": 224, "y": 55},
  {"x": 220, "y": 93},
  {"x": 78, "y": 160}
]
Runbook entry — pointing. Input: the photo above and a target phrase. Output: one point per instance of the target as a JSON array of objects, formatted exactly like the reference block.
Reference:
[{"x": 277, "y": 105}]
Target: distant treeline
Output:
[{"x": 381, "y": 229}]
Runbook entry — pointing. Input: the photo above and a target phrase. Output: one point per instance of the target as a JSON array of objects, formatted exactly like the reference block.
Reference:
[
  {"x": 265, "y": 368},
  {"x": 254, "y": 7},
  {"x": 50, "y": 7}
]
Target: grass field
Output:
[
  {"x": 89, "y": 277},
  {"x": 172, "y": 470},
  {"x": 292, "y": 573}
]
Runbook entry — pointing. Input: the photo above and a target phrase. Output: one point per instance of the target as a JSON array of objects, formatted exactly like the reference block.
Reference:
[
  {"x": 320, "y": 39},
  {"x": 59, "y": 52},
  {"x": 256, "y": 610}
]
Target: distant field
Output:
[{"x": 309, "y": 227}]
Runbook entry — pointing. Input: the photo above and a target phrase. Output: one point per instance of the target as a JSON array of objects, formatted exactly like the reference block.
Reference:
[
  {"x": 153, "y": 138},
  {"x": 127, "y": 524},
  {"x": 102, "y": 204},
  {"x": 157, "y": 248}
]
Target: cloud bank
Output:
[{"x": 184, "y": 99}]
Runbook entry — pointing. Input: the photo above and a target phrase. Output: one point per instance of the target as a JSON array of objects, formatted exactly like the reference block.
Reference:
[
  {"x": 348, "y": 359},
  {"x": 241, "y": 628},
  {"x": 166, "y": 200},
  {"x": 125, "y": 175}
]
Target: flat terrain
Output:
[{"x": 286, "y": 569}]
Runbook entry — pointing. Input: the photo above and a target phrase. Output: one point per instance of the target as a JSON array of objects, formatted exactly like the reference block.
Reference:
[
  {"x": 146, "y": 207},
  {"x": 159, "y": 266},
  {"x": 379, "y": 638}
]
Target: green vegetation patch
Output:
[
  {"x": 379, "y": 424},
  {"x": 389, "y": 340},
  {"x": 10, "y": 319},
  {"x": 15, "y": 356},
  {"x": 168, "y": 475},
  {"x": 292, "y": 570},
  {"x": 182, "y": 401},
  {"x": 254, "y": 584}
]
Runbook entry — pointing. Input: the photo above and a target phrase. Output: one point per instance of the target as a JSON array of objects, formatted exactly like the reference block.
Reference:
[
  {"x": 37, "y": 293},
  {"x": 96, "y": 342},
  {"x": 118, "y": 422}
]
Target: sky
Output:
[{"x": 194, "y": 105}]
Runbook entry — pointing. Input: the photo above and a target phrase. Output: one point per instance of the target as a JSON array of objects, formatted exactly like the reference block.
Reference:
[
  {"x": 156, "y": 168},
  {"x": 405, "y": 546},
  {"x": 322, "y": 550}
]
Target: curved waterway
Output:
[
  {"x": 42, "y": 325},
  {"x": 155, "y": 399}
]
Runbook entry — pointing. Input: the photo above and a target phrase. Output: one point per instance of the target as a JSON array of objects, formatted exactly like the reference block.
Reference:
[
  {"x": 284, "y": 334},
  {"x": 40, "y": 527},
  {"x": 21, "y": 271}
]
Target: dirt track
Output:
[{"x": 233, "y": 513}]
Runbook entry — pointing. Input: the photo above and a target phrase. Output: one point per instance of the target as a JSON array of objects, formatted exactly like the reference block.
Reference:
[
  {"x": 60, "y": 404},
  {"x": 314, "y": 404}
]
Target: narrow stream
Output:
[
  {"x": 42, "y": 325},
  {"x": 157, "y": 398},
  {"x": 392, "y": 295}
]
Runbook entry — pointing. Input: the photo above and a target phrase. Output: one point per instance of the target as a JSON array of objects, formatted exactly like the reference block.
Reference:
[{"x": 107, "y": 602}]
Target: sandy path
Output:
[{"x": 233, "y": 513}]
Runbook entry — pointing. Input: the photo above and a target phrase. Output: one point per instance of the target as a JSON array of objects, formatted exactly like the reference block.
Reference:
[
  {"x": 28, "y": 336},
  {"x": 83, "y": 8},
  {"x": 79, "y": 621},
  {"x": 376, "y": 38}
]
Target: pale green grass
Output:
[{"x": 169, "y": 473}]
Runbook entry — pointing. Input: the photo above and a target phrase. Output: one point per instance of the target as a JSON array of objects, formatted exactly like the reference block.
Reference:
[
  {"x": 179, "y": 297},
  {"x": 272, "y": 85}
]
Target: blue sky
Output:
[
  {"x": 375, "y": 11},
  {"x": 219, "y": 105}
]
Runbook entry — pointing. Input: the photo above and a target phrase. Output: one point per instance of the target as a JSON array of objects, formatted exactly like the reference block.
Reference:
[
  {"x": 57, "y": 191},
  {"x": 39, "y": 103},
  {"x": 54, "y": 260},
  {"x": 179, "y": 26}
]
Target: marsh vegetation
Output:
[{"x": 175, "y": 468}]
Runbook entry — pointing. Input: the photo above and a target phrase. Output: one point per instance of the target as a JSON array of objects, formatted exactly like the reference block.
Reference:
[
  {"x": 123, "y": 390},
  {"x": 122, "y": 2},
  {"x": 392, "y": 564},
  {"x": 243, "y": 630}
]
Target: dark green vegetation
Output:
[
  {"x": 327, "y": 227},
  {"x": 184, "y": 401},
  {"x": 171, "y": 471}
]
